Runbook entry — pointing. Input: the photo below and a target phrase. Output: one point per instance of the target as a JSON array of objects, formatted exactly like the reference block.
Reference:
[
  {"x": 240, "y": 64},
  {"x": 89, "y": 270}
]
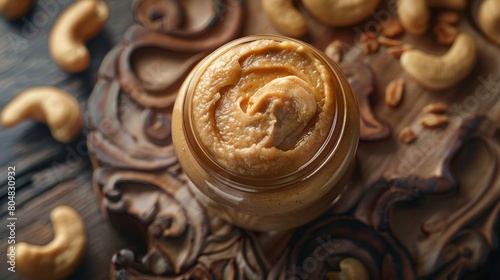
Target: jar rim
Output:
[{"x": 249, "y": 184}]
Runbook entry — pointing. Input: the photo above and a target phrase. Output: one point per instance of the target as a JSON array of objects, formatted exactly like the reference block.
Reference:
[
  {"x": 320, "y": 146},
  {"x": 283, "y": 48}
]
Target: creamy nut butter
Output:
[{"x": 266, "y": 128}]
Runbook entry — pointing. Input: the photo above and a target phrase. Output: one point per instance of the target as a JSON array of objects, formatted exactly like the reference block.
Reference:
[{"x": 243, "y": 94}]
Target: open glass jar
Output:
[{"x": 266, "y": 128}]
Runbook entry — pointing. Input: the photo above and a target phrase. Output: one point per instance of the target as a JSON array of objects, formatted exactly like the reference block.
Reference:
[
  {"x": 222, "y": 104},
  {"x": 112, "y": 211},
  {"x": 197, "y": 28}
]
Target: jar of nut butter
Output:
[{"x": 266, "y": 128}]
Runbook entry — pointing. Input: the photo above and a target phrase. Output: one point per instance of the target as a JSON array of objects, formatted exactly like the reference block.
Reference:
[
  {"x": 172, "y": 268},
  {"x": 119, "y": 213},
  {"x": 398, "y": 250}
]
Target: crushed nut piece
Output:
[
  {"x": 388, "y": 42},
  {"x": 369, "y": 42},
  {"x": 334, "y": 51},
  {"x": 394, "y": 92},
  {"x": 391, "y": 28},
  {"x": 448, "y": 17},
  {"x": 436, "y": 108},
  {"x": 445, "y": 32},
  {"x": 433, "y": 120},
  {"x": 397, "y": 51},
  {"x": 407, "y": 135}
]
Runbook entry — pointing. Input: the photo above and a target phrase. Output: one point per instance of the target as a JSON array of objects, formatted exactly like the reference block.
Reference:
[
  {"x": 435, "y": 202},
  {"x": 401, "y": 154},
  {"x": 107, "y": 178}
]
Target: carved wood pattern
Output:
[
  {"x": 361, "y": 78},
  {"x": 443, "y": 242},
  {"x": 141, "y": 187}
]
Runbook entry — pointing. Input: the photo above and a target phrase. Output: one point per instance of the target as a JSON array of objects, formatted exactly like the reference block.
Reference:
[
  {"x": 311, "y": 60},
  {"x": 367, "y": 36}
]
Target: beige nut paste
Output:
[{"x": 263, "y": 108}]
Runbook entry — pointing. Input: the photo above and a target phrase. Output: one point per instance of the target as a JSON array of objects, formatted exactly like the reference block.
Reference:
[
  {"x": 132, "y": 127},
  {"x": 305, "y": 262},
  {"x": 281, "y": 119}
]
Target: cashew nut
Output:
[
  {"x": 415, "y": 14},
  {"x": 489, "y": 19},
  {"x": 50, "y": 105},
  {"x": 437, "y": 73},
  {"x": 14, "y": 9},
  {"x": 340, "y": 12},
  {"x": 59, "y": 258},
  {"x": 350, "y": 269},
  {"x": 285, "y": 17},
  {"x": 78, "y": 23}
]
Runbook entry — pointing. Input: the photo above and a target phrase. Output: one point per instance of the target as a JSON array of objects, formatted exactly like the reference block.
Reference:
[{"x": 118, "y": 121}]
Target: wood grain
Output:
[{"x": 49, "y": 173}]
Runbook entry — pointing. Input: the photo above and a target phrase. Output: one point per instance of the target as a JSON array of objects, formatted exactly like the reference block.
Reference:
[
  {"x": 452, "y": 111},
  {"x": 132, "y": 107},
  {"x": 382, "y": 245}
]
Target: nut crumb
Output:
[
  {"x": 435, "y": 108},
  {"x": 369, "y": 42},
  {"x": 388, "y": 42},
  {"x": 334, "y": 51},
  {"x": 394, "y": 92},
  {"x": 391, "y": 28},
  {"x": 397, "y": 51},
  {"x": 433, "y": 120},
  {"x": 407, "y": 135}
]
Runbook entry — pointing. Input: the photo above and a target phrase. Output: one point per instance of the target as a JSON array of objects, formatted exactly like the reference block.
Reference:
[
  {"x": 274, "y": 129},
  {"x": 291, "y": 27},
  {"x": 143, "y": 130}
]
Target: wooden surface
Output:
[{"x": 49, "y": 173}]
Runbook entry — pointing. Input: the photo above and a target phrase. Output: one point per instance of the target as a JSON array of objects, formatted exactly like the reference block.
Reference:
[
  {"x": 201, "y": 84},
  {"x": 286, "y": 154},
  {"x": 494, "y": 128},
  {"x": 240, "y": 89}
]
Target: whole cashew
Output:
[
  {"x": 415, "y": 14},
  {"x": 489, "y": 19},
  {"x": 437, "y": 73},
  {"x": 59, "y": 258},
  {"x": 78, "y": 23},
  {"x": 285, "y": 17},
  {"x": 50, "y": 105},
  {"x": 14, "y": 9},
  {"x": 340, "y": 12}
]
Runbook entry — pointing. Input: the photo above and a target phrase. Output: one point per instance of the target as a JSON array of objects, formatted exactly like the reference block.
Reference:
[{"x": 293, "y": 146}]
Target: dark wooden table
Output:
[{"x": 49, "y": 173}]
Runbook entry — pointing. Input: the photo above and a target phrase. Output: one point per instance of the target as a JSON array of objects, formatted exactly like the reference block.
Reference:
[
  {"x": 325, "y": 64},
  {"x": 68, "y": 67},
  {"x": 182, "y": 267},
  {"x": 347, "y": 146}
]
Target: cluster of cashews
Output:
[
  {"x": 287, "y": 19},
  {"x": 85, "y": 19},
  {"x": 59, "y": 258},
  {"x": 436, "y": 72},
  {"x": 415, "y": 14},
  {"x": 58, "y": 109},
  {"x": 14, "y": 9},
  {"x": 432, "y": 72},
  {"x": 62, "y": 113}
]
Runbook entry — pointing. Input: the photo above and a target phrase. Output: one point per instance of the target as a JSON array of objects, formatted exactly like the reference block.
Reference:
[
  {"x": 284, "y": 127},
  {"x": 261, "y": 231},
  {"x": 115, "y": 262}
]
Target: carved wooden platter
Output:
[{"x": 424, "y": 210}]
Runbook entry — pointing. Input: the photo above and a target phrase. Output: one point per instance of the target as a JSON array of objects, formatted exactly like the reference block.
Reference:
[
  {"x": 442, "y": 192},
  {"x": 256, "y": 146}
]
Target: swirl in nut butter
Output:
[{"x": 263, "y": 108}]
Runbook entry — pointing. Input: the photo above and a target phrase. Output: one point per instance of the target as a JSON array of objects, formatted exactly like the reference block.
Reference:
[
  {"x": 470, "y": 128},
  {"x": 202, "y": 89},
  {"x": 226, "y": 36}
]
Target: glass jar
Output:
[{"x": 266, "y": 128}]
